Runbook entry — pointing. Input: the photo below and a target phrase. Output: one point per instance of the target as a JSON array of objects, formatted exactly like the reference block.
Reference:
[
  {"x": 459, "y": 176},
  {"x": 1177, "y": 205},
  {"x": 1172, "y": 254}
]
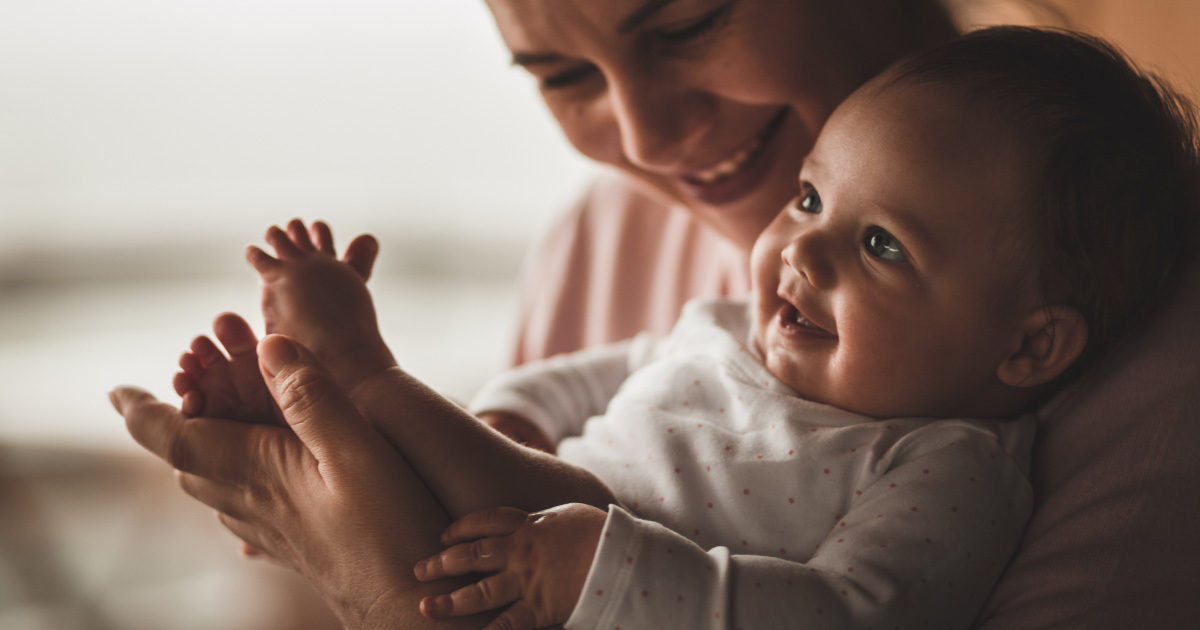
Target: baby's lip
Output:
[{"x": 807, "y": 313}]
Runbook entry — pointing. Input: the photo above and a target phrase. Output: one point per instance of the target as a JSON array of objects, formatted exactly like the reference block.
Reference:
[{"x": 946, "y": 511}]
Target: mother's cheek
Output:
[{"x": 591, "y": 128}]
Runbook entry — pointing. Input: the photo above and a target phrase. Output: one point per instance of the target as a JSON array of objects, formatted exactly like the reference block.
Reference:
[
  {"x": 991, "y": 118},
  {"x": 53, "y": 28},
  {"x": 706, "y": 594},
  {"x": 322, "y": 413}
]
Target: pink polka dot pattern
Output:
[{"x": 747, "y": 473}]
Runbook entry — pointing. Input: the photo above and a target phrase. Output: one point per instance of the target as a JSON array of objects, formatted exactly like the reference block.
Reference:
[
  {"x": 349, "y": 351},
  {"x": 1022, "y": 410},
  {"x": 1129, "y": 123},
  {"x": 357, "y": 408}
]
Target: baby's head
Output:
[{"x": 975, "y": 224}]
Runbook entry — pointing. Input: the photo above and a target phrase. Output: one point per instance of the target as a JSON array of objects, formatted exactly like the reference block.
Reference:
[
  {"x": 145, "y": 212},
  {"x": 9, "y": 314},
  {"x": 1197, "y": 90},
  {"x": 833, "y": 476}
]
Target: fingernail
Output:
[
  {"x": 116, "y": 402},
  {"x": 429, "y": 606},
  {"x": 419, "y": 569},
  {"x": 277, "y": 351}
]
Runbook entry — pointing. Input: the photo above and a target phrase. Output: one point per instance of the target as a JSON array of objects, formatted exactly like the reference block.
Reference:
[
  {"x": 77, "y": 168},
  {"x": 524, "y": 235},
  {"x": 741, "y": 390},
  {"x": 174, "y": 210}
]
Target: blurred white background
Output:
[{"x": 144, "y": 143}]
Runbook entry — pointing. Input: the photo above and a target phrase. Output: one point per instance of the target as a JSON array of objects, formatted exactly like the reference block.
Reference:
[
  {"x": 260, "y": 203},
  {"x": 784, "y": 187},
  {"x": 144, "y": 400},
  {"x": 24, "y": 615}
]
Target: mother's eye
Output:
[
  {"x": 809, "y": 201},
  {"x": 882, "y": 245},
  {"x": 694, "y": 29},
  {"x": 569, "y": 77}
]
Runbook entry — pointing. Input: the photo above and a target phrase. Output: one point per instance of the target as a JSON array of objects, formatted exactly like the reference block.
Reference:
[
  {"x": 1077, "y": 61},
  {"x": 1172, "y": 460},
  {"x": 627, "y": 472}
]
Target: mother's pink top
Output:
[
  {"x": 1114, "y": 541},
  {"x": 617, "y": 264}
]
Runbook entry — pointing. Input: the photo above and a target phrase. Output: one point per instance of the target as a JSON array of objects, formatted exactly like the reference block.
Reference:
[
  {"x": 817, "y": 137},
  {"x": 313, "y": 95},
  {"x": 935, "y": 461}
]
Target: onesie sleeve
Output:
[
  {"x": 919, "y": 547},
  {"x": 559, "y": 394}
]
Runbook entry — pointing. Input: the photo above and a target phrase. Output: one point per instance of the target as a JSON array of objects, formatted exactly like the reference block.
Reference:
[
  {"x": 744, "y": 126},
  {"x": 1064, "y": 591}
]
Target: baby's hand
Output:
[
  {"x": 540, "y": 562},
  {"x": 323, "y": 302},
  {"x": 212, "y": 384}
]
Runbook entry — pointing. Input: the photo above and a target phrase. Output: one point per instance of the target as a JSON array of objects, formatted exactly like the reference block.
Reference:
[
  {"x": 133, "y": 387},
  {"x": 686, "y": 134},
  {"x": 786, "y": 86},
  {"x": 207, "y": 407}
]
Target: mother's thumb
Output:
[{"x": 314, "y": 406}]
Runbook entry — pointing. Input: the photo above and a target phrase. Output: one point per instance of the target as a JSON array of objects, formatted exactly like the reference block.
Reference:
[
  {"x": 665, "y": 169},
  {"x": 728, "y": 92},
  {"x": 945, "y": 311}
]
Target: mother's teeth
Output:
[{"x": 729, "y": 166}]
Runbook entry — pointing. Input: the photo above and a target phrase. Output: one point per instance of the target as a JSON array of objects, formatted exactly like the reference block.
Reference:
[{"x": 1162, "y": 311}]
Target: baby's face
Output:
[{"x": 895, "y": 283}]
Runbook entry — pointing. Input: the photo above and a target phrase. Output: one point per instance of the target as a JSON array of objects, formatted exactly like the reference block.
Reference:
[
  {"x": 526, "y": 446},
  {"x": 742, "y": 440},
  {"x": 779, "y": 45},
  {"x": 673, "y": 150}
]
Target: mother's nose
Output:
[
  {"x": 660, "y": 120},
  {"x": 809, "y": 255}
]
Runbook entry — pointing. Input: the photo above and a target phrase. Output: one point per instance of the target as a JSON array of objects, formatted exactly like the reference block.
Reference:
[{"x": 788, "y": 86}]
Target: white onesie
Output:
[{"x": 744, "y": 506}]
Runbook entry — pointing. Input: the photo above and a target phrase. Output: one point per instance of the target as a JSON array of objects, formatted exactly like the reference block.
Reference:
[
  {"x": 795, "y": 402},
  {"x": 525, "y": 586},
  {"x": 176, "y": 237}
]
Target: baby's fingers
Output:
[
  {"x": 487, "y": 594},
  {"x": 485, "y": 554},
  {"x": 497, "y": 521},
  {"x": 519, "y": 616}
]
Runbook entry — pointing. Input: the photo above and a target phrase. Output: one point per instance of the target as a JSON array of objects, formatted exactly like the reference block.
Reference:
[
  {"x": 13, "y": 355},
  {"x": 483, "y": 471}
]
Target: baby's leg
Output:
[
  {"x": 324, "y": 303},
  {"x": 466, "y": 464},
  {"x": 212, "y": 384}
]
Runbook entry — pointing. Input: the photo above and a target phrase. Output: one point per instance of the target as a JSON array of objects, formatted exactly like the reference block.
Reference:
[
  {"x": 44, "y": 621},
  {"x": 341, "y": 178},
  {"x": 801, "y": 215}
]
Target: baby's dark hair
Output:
[{"x": 1114, "y": 155}]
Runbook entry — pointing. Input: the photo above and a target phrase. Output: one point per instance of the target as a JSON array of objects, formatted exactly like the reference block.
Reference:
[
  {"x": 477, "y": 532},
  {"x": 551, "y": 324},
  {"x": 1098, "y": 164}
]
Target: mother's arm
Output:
[{"x": 329, "y": 497}]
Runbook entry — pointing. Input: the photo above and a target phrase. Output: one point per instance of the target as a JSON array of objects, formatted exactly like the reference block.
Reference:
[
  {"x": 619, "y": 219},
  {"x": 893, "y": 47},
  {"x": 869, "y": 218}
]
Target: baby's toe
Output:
[
  {"x": 283, "y": 245},
  {"x": 262, "y": 262},
  {"x": 192, "y": 404},
  {"x": 191, "y": 365},
  {"x": 207, "y": 351},
  {"x": 322, "y": 237},
  {"x": 298, "y": 233},
  {"x": 236, "y": 336},
  {"x": 183, "y": 383},
  {"x": 360, "y": 254}
]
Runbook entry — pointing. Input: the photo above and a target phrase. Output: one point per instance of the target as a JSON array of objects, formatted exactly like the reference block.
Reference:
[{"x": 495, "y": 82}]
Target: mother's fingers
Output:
[
  {"x": 222, "y": 497},
  {"x": 256, "y": 538},
  {"x": 223, "y": 450}
]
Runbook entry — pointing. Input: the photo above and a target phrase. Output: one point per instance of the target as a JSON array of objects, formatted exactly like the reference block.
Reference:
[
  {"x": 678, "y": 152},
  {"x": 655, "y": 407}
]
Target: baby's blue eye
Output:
[
  {"x": 809, "y": 200},
  {"x": 883, "y": 246}
]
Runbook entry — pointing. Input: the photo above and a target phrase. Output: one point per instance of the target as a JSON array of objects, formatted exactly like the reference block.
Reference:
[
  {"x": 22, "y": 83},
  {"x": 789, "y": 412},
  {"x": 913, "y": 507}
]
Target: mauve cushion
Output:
[{"x": 1114, "y": 541}]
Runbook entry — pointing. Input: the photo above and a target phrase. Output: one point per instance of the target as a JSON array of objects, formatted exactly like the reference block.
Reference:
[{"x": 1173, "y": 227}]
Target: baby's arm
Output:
[
  {"x": 540, "y": 562},
  {"x": 919, "y": 548},
  {"x": 558, "y": 395}
]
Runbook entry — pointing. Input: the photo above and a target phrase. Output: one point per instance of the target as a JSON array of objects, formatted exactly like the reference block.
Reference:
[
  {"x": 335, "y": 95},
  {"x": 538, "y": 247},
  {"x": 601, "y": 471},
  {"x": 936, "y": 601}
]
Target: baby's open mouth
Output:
[{"x": 793, "y": 322}]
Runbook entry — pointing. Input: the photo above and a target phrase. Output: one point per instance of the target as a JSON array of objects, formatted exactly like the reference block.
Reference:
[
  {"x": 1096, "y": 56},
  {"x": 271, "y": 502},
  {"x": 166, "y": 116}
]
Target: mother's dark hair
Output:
[{"x": 1114, "y": 158}]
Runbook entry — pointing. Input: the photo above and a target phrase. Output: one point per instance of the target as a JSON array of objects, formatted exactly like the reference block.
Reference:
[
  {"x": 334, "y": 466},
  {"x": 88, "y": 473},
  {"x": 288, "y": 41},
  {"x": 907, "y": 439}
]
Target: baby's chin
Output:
[{"x": 864, "y": 403}]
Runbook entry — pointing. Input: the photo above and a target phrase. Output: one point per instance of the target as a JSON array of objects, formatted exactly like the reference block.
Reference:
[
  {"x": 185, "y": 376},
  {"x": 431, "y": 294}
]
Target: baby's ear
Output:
[{"x": 1052, "y": 337}]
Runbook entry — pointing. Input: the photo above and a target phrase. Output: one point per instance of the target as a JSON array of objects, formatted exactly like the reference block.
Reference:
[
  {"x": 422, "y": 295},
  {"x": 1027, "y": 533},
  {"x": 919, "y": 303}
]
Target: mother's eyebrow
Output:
[
  {"x": 626, "y": 24},
  {"x": 534, "y": 59},
  {"x": 640, "y": 14}
]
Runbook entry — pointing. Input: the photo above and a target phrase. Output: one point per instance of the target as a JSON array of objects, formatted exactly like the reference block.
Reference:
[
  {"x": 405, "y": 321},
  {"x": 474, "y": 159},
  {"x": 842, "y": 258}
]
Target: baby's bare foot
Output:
[
  {"x": 323, "y": 302},
  {"x": 212, "y": 384}
]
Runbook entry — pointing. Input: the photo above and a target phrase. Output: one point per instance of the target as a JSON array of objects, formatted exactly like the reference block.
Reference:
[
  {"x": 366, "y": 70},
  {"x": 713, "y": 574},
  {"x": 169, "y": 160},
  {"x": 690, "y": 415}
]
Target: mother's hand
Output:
[{"x": 329, "y": 497}]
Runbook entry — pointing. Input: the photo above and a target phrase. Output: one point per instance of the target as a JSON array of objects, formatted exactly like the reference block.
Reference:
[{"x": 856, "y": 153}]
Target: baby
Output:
[{"x": 849, "y": 448}]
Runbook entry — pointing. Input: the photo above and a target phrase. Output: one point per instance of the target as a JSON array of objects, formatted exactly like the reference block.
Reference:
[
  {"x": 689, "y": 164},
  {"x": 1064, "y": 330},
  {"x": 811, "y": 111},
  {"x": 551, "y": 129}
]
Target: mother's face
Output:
[{"x": 713, "y": 103}]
